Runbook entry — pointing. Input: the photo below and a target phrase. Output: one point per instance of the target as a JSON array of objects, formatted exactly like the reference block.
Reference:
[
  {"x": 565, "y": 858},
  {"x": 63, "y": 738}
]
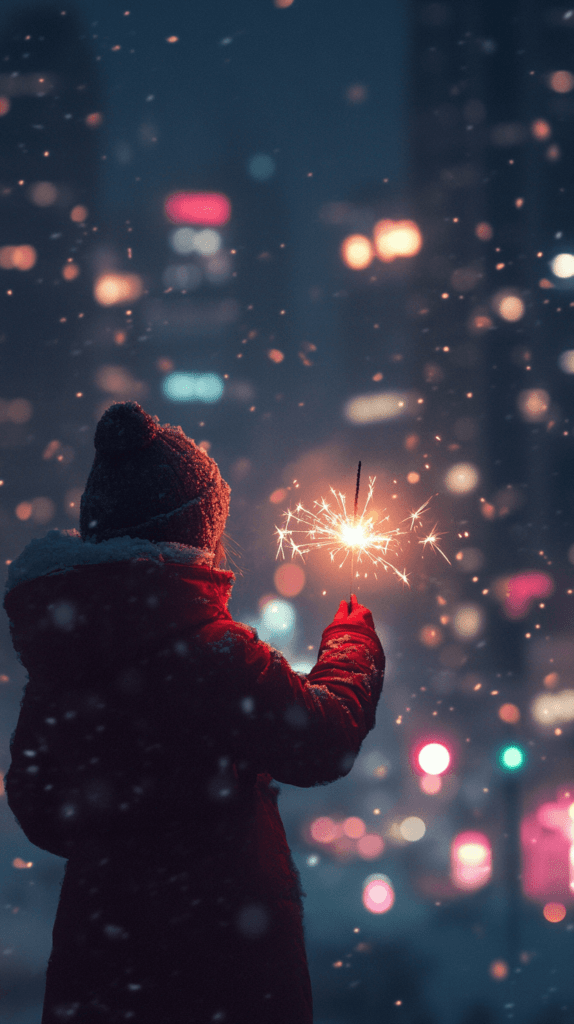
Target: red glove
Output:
[{"x": 358, "y": 614}]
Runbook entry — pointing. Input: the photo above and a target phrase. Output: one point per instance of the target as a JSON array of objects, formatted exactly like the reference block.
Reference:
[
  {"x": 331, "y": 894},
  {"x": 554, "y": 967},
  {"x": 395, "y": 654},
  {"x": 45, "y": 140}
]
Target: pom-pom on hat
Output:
[{"x": 151, "y": 481}]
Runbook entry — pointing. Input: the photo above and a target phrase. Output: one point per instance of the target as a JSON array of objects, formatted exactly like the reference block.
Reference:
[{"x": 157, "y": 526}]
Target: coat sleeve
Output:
[{"x": 308, "y": 730}]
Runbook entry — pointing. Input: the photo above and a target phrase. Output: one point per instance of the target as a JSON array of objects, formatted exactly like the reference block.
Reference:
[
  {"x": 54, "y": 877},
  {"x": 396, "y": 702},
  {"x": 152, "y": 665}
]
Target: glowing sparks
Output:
[
  {"x": 432, "y": 542},
  {"x": 362, "y": 536}
]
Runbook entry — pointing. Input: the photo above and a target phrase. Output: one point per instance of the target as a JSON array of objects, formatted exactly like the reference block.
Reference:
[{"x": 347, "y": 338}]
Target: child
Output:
[{"x": 151, "y": 727}]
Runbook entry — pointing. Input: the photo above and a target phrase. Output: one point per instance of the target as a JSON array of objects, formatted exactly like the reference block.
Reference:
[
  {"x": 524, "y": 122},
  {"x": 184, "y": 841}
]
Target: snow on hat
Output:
[{"x": 151, "y": 481}]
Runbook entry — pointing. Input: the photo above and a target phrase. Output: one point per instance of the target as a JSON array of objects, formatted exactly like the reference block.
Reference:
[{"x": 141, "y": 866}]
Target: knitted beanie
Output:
[{"x": 153, "y": 482}]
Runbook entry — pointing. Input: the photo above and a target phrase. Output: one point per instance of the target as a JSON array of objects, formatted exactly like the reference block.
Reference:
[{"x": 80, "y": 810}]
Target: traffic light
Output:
[{"x": 512, "y": 757}]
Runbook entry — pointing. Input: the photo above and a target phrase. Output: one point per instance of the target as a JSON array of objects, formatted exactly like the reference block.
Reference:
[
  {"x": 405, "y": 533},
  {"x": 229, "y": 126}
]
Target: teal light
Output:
[
  {"x": 193, "y": 387},
  {"x": 512, "y": 758}
]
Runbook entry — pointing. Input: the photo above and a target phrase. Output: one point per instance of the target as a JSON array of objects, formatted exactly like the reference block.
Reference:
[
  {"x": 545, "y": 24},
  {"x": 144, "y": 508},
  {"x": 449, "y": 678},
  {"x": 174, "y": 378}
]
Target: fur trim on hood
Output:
[{"x": 60, "y": 551}]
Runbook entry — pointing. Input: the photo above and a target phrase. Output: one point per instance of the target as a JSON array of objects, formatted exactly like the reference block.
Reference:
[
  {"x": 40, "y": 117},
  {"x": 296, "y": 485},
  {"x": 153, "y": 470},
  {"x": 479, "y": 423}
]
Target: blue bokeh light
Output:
[
  {"x": 261, "y": 167},
  {"x": 193, "y": 387},
  {"x": 277, "y": 621}
]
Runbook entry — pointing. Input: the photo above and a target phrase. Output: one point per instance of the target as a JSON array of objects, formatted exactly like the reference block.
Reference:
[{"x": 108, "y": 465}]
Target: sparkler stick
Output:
[{"x": 354, "y": 525}]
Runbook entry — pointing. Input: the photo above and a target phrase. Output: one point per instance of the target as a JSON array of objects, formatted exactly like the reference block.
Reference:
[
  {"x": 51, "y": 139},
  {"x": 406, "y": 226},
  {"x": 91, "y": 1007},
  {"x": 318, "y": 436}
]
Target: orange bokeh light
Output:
[
  {"x": 483, "y": 231},
  {"x": 498, "y": 970},
  {"x": 117, "y": 289},
  {"x": 561, "y": 81},
  {"x": 354, "y": 828},
  {"x": 541, "y": 130},
  {"x": 554, "y": 912},
  {"x": 18, "y": 257},
  {"x": 357, "y": 252},
  {"x": 509, "y": 713},
  {"x": 79, "y": 213},
  {"x": 430, "y": 636},
  {"x": 70, "y": 271},
  {"x": 396, "y": 238},
  {"x": 277, "y": 496}
]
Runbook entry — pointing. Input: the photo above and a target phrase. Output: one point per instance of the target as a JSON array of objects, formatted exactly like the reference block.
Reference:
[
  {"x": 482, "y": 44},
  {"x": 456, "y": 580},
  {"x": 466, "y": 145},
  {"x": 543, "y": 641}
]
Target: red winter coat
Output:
[{"x": 151, "y": 728}]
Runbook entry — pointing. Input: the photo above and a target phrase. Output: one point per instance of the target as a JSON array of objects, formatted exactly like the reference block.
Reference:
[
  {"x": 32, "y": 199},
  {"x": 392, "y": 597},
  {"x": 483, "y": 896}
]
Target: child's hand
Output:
[{"x": 357, "y": 614}]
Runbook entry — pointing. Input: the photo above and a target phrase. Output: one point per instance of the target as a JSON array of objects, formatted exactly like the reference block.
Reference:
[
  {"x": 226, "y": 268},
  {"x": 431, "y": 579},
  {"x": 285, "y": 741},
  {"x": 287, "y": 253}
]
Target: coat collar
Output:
[{"x": 60, "y": 551}]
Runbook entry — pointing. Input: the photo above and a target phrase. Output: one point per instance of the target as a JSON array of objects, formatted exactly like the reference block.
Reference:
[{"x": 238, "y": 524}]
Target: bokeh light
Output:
[
  {"x": 517, "y": 593},
  {"x": 277, "y": 620},
  {"x": 261, "y": 167},
  {"x": 509, "y": 713},
  {"x": 193, "y": 387},
  {"x": 566, "y": 361},
  {"x": 553, "y": 708},
  {"x": 396, "y": 238},
  {"x": 412, "y": 829},
  {"x": 113, "y": 289},
  {"x": 561, "y": 81},
  {"x": 508, "y": 305},
  {"x": 211, "y": 209},
  {"x": 378, "y": 894},
  {"x": 325, "y": 830},
  {"x": 512, "y": 757},
  {"x": 540, "y": 129},
  {"x": 431, "y": 636},
  {"x": 370, "y": 846},
  {"x": 378, "y": 407},
  {"x": 79, "y": 213},
  {"x": 484, "y": 231},
  {"x": 470, "y": 860},
  {"x": 184, "y": 241},
  {"x": 462, "y": 478},
  {"x": 289, "y": 579},
  {"x": 43, "y": 193},
  {"x": 434, "y": 758},
  {"x": 468, "y": 621},
  {"x": 533, "y": 404},
  {"x": 498, "y": 970},
  {"x": 563, "y": 265},
  {"x": 70, "y": 271},
  {"x": 357, "y": 252},
  {"x": 17, "y": 257},
  {"x": 16, "y": 410},
  {"x": 554, "y": 912},
  {"x": 431, "y": 784},
  {"x": 354, "y": 828}
]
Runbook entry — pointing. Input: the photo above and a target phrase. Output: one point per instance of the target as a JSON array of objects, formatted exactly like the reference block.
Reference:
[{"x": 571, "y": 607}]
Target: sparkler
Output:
[{"x": 362, "y": 536}]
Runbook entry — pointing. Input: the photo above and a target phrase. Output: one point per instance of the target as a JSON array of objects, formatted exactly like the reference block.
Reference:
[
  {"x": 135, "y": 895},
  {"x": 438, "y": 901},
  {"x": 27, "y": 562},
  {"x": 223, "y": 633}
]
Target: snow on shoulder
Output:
[{"x": 61, "y": 550}]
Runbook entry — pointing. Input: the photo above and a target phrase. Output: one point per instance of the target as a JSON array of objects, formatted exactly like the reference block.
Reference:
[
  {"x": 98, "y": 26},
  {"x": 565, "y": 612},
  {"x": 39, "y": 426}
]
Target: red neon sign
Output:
[{"x": 206, "y": 208}]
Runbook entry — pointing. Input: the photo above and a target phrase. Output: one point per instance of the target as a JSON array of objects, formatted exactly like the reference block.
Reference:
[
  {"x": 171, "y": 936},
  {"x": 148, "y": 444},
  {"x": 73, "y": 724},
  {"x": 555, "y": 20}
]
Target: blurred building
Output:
[
  {"x": 491, "y": 169},
  {"x": 50, "y": 119},
  {"x": 492, "y": 105},
  {"x": 51, "y": 108}
]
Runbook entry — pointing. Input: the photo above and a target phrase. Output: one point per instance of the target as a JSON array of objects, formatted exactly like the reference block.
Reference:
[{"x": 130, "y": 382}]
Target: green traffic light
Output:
[{"x": 512, "y": 758}]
